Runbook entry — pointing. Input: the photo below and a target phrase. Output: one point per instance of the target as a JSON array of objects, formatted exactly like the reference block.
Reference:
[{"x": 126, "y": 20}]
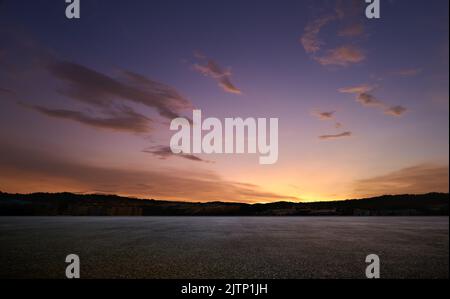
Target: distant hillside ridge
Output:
[{"x": 70, "y": 204}]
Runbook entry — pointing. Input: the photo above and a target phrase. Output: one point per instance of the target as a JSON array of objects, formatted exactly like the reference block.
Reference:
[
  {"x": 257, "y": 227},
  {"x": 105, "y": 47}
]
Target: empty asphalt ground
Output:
[{"x": 224, "y": 247}]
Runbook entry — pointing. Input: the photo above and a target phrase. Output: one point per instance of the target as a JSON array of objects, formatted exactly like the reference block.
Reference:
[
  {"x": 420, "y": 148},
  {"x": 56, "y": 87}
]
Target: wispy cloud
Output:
[
  {"x": 342, "y": 56},
  {"x": 349, "y": 8},
  {"x": 396, "y": 110},
  {"x": 324, "y": 115},
  {"x": 95, "y": 88},
  {"x": 210, "y": 68},
  {"x": 357, "y": 89},
  {"x": 125, "y": 119},
  {"x": 336, "y": 136},
  {"x": 346, "y": 12},
  {"x": 310, "y": 39},
  {"x": 100, "y": 91},
  {"x": 352, "y": 30},
  {"x": 365, "y": 97},
  {"x": 368, "y": 99},
  {"x": 108, "y": 99},
  {"x": 412, "y": 180},
  {"x": 330, "y": 116},
  {"x": 164, "y": 152}
]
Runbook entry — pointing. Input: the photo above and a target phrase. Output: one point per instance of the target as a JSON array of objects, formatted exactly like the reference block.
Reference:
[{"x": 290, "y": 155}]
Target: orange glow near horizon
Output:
[{"x": 360, "y": 115}]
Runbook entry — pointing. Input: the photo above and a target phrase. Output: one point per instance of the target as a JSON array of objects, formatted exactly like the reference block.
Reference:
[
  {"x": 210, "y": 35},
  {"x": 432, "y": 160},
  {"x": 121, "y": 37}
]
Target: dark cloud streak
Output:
[
  {"x": 364, "y": 96},
  {"x": 325, "y": 115},
  {"x": 164, "y": 152},
  {"x": 95, "y": 88},
  {"x": 126, "y": 120},
  {"x": 210, "y": 68},
  {"x": 336, "y": 136}
]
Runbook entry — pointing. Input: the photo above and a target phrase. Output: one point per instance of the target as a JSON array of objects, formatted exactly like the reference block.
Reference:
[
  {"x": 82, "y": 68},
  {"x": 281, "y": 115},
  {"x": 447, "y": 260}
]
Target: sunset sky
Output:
[{"x": 363, "y": 105}]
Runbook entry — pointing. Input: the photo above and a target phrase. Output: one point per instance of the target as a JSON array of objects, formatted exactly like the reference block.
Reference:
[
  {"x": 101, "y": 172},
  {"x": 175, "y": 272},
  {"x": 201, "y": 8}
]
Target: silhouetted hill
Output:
[{"x": 69, "y": 204}]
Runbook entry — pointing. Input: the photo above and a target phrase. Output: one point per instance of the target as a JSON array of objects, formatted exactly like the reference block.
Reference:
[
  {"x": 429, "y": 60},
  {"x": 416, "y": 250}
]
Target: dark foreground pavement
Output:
[{"x": 224, "y": 247}]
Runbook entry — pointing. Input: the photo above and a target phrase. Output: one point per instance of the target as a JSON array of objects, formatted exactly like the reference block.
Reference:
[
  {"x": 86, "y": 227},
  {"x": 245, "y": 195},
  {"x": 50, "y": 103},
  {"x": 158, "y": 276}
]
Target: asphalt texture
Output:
[{"x": 224, "y": 247}]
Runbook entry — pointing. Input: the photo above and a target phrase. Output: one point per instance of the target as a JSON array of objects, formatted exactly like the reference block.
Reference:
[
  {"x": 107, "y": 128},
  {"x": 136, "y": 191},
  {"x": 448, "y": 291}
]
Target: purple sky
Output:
[{"x": 363, "y": 105}]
